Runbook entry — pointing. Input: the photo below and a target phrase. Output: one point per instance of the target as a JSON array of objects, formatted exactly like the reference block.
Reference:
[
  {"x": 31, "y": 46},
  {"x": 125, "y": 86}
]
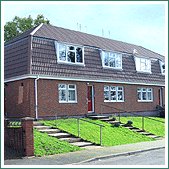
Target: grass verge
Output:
[
  {"x": 110, "y": 135},
  {"x": 153, "y": 125},
  {"x": 46, "y": 145}
]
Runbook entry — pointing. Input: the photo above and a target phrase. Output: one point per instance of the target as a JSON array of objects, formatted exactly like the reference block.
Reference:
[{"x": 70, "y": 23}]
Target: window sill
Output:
[
  {"x": 72, "y": 64},
  {"x": 68, "y": 102},
  {"x": 144, "y": 101},
  {"x": 106, "y": 101},
  {"x": 106, "y": 67}
]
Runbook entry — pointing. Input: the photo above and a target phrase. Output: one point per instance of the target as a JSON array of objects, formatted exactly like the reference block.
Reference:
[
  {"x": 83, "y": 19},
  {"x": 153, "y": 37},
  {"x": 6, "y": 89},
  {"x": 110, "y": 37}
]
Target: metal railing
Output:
[
  {"x": 128, "y": 112},
  {"x": 100, "y": 125}
]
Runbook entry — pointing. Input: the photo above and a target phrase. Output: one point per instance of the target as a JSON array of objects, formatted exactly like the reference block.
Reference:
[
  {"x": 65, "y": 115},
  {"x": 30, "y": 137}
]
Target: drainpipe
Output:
[
  {"x": 36, "y": 97},
  {"x": 162, "y": 101}
]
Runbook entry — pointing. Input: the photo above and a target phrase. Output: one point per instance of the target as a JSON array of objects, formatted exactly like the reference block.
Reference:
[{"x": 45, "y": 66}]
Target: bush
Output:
[
  {"x": 129, "y": 123},
  {"x": 117, "y": 124}
]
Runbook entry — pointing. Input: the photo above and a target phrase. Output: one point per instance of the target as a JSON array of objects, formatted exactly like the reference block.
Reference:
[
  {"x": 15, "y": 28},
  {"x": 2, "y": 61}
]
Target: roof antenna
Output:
[
  {"x": 77, "y": 26},
  {"x": 80, "y": 26},
  {"x": 109, "y": 34},
  {"x": 102, "y": 32}
]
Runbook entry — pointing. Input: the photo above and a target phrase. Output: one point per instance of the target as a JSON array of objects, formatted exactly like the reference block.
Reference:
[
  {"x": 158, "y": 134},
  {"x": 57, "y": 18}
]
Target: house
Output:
[{"x": 51, "y": 71}]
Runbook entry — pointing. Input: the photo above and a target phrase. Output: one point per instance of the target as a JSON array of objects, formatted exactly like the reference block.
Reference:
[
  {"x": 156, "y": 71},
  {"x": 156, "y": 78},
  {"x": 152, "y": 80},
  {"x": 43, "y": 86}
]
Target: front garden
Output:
[
  {"x": 153, "y": 125},
  {"x": 111, "y": 136},
  {"x": 46, "y": 145}
]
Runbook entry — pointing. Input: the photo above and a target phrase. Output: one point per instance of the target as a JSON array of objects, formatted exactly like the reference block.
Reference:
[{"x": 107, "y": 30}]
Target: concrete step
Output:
[
  {"x": 36, "y": 123},
  {"x": 60, "y": 135},
  {"x": 42, "y": 127},
  {"x": 137, "y": 130},
  {"x": 82, "y": 144},
  {"x": 113, "y": 122},
  {"x": 131, "y": 128},
  {"x": 92, "y": 147},
  {"x": 105, "y": 119},
  {"x": 50, "y": 131},
  {"x": 71, "y": 139},
  {"x": 98, "y": 117},
  {"x": 154, "y": 136},
  {"x": 145, "y": 133}
]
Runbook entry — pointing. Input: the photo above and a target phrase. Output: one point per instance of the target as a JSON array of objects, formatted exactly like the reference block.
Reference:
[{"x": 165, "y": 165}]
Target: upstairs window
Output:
[
  {"x": 70, "y": 54},
  {"x": 144, "y": 94},
  {"x": 67, "y": 93},
  {"x": 112, "y": 60},
  {"x": 143, "y": 64},
  {"x": 113, "y": 94},
  {"x": 162, "y": 67}
]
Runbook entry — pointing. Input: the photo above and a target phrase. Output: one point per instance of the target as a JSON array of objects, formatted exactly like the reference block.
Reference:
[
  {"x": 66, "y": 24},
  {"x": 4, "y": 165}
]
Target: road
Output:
[{"x": 153, "y": 157}]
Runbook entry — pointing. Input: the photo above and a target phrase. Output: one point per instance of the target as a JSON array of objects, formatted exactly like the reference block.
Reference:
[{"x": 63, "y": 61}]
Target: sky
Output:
[{"x": 140, "y": 23}]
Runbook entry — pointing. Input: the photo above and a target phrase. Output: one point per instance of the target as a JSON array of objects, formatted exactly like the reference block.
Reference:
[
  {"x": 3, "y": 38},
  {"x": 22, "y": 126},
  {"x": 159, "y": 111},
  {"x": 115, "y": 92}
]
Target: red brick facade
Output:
[{"x": 48, "y": 99}]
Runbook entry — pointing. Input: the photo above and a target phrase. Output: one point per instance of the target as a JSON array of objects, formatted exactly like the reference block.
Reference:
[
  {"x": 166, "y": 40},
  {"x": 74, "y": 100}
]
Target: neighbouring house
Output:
[{"x": 51, "y": 71}]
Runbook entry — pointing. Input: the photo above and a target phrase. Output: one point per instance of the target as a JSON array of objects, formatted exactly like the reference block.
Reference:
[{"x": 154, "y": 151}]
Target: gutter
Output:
[
  {"x": 28, "y": 76},
  {"x": 36, "y": 97}
]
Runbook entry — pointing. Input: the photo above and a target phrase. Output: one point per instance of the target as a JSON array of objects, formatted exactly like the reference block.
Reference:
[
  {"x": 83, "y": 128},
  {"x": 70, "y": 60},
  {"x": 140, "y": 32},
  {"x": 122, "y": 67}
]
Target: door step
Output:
[{"x": 98, "y": 117}]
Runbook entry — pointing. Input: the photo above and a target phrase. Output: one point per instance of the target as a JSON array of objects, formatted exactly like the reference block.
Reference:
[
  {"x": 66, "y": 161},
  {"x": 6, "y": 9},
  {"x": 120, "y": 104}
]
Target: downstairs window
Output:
[
  {"x": 145, "y": 94},
  {"x": 113, "y": 94},
  {"x": 67, "y": 93}
]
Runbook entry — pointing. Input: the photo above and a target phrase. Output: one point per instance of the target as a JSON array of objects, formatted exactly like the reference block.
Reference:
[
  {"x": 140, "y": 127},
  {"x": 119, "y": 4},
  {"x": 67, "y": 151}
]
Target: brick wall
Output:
[
  {"x": 17, "y": 98},
  {"x": 48, "y": 99},
  {"x": 49, "y": 105},
  {"x": 20, "y": 138}
]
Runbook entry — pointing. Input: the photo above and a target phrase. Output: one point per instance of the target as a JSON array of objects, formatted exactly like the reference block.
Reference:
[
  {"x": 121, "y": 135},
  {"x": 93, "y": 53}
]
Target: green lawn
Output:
[
  {"x": 111, "y": 135},
  {"x": 46, "y": 145},
  {"x": 153, "y": 125}
]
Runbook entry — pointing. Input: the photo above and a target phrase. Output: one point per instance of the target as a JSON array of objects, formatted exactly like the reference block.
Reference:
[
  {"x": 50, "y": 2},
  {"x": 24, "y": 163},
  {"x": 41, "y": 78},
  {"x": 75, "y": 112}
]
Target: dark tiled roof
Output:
[
  {"x": 44, "y": 62},
  {"x": 76, "y": 37},
  {"x": 44, "y": 59}
]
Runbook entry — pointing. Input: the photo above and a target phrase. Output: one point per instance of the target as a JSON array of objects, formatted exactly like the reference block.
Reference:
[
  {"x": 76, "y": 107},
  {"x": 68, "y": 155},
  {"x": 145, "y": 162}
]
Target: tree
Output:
[{"x": 19, "y": 25}]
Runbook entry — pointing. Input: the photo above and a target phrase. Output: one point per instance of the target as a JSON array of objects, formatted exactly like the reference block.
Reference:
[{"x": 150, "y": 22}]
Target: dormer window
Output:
[
  {"x": 143, "y": 64},
  {"x": 162, "y": 67},
  {"x": 111, "y": 60},
  {"x": 70, "y": 54}
]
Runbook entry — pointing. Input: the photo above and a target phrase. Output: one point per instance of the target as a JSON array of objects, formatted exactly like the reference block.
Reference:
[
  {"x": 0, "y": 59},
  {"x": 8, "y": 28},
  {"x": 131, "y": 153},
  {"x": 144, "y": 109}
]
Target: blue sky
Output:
[{"x": 139, "y": 23}]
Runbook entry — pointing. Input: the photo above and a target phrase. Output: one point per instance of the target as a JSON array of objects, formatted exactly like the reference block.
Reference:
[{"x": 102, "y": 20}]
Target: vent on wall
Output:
[{"x": 135, "y": 52}]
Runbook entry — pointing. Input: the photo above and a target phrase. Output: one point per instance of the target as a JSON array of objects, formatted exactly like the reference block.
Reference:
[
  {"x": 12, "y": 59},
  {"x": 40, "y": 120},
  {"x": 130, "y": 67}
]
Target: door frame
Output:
[{"x": 93, "y": 100}]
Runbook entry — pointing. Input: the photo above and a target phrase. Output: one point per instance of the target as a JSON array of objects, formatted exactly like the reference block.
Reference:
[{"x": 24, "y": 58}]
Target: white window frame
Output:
[
  {"x": 67, "y": 89},
  {"x": 117, "y": 90},
  {"x": 115, "y": 57},
  {"x": 161, "y": 67},
  {"x": 145, "y": 90},
  {"x": 143, "y": 65},
  {"x": 57, "y": 44}
]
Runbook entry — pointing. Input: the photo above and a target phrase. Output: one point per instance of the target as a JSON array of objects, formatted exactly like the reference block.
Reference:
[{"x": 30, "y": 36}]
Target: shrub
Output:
[
  {"x": 129, "y": 123},
  {"x": 117, "y": 124}
]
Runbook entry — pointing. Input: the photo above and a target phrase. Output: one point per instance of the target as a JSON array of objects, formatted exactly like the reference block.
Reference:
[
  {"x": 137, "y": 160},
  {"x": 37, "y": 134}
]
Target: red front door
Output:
[{"x": 90, "y": 98}]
